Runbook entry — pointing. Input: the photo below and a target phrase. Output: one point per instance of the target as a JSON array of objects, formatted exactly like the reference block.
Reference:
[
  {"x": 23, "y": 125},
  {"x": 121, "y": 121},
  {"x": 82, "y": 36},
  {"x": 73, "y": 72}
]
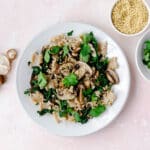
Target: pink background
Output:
[{"x": 20, "y": 21}]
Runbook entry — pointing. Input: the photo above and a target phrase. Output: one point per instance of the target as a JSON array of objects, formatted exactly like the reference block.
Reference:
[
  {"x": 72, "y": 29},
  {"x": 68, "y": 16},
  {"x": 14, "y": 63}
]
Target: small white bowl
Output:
[
  {"x": 130, "y": 35},
  {"x": 145, "y": 72}
]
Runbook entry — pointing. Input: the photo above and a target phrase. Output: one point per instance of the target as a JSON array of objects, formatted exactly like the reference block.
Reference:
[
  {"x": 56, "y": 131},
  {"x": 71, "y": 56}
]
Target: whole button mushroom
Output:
[
  {"x": 11, "y": 54},
  {"x": 4, "y": 64}
]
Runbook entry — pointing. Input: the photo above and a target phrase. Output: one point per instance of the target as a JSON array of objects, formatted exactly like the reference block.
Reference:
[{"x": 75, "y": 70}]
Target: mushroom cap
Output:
[
  {"x": 66, "y": 68},
  {"x": 112, "y": 76},
  {"x": 84, "y": 68},
  {"x": 11, "y": 54}
]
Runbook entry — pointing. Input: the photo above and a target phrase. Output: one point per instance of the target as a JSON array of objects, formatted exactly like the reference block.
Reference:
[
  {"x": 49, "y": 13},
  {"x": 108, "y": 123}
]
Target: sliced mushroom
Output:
[
  {"x": 65, "y": 94},
  {"x": 113, "y": 63},
  {"x": 37, "y": 97},
  {"x": 102, "y": 48},
  {"x": 53, "y": 83},
  {"x": 81, "y": 97},
  {"x": 83, "y": 69},
  {"x": 54, "y": 64},
  {"x": 2, "y": 79},
  {"x": 87, "y": 83},
  {"x": 43, "y": 105},
  {"x": 66, "y": 68},
  {"x": 4, "y": 70},
  {"x": 11, "y": 54},
  {"x": 112, "y": 76},
  {"x": 4, "y": 60},
  {"x": 36, "y": 59}
]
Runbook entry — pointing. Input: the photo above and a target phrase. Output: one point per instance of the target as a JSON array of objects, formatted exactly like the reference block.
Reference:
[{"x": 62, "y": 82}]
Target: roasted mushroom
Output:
[
  {"x": 113, "y": 63},
  {"x": 11, "y": 54},
  {"x": 37, "y": 97},
  {"x": 66, "y": 68},
  {"x": 112, "y": 76},
  {"x": 36, "y": 59},
  {"x": 102, "y": 48},
  {"x": 83, "y": 69},
  {"x": 65, "y": 94}
]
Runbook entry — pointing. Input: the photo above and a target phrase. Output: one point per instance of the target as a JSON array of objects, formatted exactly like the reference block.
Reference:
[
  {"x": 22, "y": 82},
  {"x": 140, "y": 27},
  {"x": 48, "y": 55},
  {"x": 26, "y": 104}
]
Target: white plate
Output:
[{"x": 66, "y": 128}]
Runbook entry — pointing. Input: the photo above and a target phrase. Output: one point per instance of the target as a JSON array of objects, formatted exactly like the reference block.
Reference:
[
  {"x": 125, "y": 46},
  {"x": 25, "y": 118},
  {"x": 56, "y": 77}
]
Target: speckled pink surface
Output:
[{"x": 20, "y": 21}]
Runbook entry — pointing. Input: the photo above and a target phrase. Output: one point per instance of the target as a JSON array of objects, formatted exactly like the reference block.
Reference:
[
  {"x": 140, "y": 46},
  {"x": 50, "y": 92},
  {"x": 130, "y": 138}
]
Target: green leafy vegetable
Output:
[
  {"x": 42, "y": 80},
  {"x": 70, "y": 80},
  {"x": 44, "y": 111},
  {"x": 94, "y": 97},
  {"x": 70, "y": 33},
  {"x": 89, "y": 38},
  {"x": 85, "y": 52},
  {"x": 27, "y": 92},
  {"x": 102, "y": 65},
  {"x": 36, "y": 70},
  {"x": 87, "y": 92},
  {"x": 47, "y": 56},
  {"x": 102, "y": 80},
  {"x": 65, "y": 50},
  {"x": 48, "y": 94},
  {"x": 146, "y": 57},
  {"x": 63, "y": 108},
  {"x": 76, "y": 116},
  {"x": 34, "y": 83},
  {"x": 44, "y": 67},
  {"x": 55, "y": 50},
  {"x": 96, "y": 111}
]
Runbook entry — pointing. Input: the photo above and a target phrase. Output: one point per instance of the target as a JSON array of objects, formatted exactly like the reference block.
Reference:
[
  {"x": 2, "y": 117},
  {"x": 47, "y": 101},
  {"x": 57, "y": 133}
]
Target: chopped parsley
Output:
[
  {"x": 70, "y": 80},
  {"x": 96, "y": 111},
  {"x": 85, "y": 52}
]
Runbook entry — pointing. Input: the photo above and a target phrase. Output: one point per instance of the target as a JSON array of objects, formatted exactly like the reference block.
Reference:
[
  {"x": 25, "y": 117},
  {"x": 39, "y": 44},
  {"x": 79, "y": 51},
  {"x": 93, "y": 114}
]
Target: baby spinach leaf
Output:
[
  {"x": 47, "y": 56},
  {"x": 96, "y": 111},
  {"x": 44, "y": 111},
  {"x": 36, "y": 70},
  {"x": 42, "y": 80},
  {"x": 70, "y": 33},
  {"x": 55, "y": 50}
]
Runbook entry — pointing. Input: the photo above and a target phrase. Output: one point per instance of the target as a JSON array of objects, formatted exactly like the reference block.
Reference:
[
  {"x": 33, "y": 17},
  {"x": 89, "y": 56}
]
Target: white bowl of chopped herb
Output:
[
  {"x": 130, "y": 17},
  {"x": 143, "y": 55}
]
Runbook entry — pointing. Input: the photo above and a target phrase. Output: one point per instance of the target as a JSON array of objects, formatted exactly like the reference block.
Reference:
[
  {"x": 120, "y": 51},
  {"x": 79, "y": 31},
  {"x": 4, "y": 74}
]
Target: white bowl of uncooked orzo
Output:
[
  {"x": 73, "y": 79},
  {"x": 130, "y": 17}
]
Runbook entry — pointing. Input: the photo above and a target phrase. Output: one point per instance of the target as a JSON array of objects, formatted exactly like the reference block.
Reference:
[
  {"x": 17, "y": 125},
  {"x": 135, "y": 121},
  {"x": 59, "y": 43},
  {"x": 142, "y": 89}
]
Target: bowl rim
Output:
[
  {"x": 136, "y": 56},
  {"x": 135, "y": 34}
]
